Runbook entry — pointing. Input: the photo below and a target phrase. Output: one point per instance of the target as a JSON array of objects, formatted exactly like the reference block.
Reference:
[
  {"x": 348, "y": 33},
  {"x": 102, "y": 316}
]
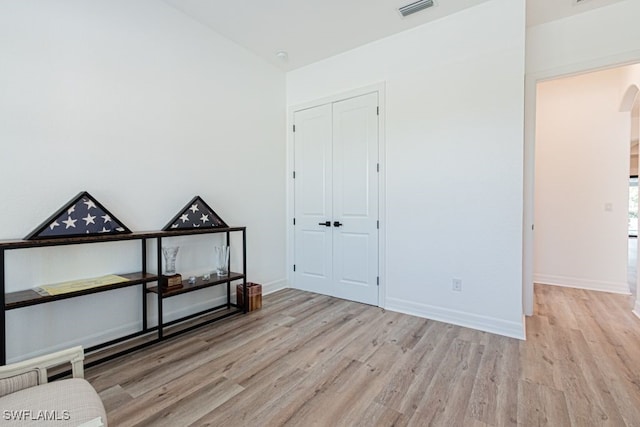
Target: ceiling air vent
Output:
[{"x": 415, "y": 7}]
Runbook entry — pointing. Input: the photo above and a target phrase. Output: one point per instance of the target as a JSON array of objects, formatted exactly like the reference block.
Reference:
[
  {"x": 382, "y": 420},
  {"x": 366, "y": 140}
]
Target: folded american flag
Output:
[
  {"x": 196, "y": 214},
  {"x": 82, "y": 216}
]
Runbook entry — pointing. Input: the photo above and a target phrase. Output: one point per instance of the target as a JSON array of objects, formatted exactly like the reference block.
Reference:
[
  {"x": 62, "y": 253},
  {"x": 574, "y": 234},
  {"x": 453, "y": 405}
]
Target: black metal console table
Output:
[{"x": 143, "y": 279}]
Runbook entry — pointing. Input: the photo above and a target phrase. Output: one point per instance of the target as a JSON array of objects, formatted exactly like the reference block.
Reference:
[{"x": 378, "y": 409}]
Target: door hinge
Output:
[
  {"x": 377, "y": 167},
  {"x": 294, "y": 267},
  {"x": 294, "y": 221},
  {"x": 294, "y": 128},
  {"x": 294, "y": 174},
  {"x": 377, "y": 224},
  {"x": 378, "y": 281},
  {"x": 378, "y": 111}
]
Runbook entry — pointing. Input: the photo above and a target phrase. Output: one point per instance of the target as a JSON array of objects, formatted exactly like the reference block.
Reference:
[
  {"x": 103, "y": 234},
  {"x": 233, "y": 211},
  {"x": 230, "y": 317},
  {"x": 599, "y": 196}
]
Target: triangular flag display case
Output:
[
  {"x": 84, "y": 221},
  {"x": 195, "y": 214},
  {"x": 82, "y": 216}
]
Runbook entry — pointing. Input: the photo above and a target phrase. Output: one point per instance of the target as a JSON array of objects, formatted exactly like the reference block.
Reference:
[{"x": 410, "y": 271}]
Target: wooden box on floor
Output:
[{"x": 254, "y": 295}]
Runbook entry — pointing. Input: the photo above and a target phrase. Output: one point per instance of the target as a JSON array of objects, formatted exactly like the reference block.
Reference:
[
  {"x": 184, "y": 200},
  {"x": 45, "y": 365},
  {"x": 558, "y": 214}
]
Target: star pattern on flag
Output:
[
  {"x": 89, "y": 219},
  {"x": 82, "y": 216},
  {"x": 69, "y": 222},
  {"x": 196, "y": 214}
]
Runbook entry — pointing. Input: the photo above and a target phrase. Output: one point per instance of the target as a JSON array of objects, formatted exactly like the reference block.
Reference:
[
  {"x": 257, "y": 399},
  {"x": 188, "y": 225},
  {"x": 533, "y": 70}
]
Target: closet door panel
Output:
[
  {"x": 313, "y": 199},
  {"x": 355, "y": 198}
]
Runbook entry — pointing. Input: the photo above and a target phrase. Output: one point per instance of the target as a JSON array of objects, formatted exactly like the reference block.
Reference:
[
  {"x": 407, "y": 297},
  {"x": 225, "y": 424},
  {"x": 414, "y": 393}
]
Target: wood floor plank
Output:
[
  {"x": 340, "y": 335},
  {"x": 451, "y": 387},
  {"x": 411, "y": 379},
  {"x": 609, "y": 354},
  {"x": 274, "y": 381},
  {"x": 377, "y": 415},
  {"x": 539, "y": 405},
  {"x": 114, "y": 397},
  {"x": 299, "y": 399},
  {"x": 506, "y": 409},
  {"x": 472, "y": 422},
  {"x": 495, "y": 390},
  {"x": 536, "y": 357},
  {"x": 144, "y": 407},
  {"x": 626, "y": 333},
  {"x": 348, "y": 400},
  {"x": 304, "y": 343},
  {"x": 194, "y": 406},
  {"x": 217, "y": 350},
  {"x": 138, "y": 364},
  {"x": 367, "y": 342},
  {"x": 307, "y": 359},
  {"x": 587, "y": 397}
]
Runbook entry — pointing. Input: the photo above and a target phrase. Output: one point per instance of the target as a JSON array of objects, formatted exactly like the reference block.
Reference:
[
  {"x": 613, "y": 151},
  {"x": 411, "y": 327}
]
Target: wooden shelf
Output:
[
  {"x": 29, "y": 297},
  {"x": 200, "y": 284},
  {"x": 19, "y": 244}
]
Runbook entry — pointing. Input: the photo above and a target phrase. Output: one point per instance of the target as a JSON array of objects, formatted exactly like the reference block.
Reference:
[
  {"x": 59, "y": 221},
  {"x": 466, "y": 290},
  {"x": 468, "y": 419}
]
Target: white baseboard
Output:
[
  {"x": 132, "y": 327},
  {"x": 460, "y": 318},
  {"x": 120, "y": 331},
  {"x": 87, "y": 341},
  {"x": 636, "y": 309},
  {"x": 275, "y": 286},
  {"x": 577, "y": 282}
]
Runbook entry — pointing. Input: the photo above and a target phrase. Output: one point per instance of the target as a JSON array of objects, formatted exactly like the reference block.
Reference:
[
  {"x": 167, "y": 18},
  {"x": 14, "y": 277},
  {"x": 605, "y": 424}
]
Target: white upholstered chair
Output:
[{"x": 28, "y": 399}]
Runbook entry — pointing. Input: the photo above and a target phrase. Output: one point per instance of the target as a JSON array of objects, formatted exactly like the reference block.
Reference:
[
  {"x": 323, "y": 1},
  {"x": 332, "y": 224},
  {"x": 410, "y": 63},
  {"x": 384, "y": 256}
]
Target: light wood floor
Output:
[{"x": 307, "y": 359}]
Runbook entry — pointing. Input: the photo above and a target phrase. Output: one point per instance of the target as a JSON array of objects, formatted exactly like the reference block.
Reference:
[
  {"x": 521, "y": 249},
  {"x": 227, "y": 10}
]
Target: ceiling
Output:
[{"x": 311, "y": 30}]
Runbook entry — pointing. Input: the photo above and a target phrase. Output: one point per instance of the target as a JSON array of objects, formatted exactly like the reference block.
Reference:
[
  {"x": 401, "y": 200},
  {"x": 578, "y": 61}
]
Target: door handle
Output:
[
  {"x": 337, "y": 224},
  {"x": 326, "y": 223}
]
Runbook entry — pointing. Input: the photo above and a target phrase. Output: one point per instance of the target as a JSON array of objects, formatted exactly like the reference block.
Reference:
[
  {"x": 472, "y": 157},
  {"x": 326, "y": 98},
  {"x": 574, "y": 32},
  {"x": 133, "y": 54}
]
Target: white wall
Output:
[
  {"x": 454, "y": 119},
  {"x": 144, "y": 108},
  {"x": 582, "y": 170},
  {"x": 565, "y": 42},
  {"x": 563, "y": 47}
]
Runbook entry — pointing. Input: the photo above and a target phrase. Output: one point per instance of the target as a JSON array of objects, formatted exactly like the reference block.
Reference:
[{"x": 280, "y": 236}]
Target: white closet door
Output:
[
  {"x": 313, "y": 200},
  {"x": 355, "y": 198},
  {"x": 335, "y": 162}
]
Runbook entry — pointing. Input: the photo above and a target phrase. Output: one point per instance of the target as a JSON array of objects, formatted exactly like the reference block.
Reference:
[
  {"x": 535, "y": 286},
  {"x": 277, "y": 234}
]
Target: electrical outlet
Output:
[{"x": 456, "y": 285}]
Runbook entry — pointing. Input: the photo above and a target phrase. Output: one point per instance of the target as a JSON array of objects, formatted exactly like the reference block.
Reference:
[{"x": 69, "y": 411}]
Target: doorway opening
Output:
[
  {"x": 583, "y": 194},
  {"x": 633, "y": 198},
  {"x": 632, "y": 263},
  {"x": 631, "y": 105}
]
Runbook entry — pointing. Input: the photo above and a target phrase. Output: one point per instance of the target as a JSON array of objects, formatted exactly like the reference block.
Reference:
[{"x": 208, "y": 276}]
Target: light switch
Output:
[{"x": 608, "y": 207}]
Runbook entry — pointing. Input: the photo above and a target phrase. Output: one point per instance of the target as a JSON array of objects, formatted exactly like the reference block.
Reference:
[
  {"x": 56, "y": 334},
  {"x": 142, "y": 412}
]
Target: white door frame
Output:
[
  {"x": 382, "y": 241},
  {"x": 531, "y": 82}
]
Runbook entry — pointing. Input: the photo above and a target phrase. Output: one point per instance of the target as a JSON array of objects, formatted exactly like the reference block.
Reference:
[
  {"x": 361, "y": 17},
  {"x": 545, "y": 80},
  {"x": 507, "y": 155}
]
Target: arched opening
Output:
[{"x": 629, "y": 99}]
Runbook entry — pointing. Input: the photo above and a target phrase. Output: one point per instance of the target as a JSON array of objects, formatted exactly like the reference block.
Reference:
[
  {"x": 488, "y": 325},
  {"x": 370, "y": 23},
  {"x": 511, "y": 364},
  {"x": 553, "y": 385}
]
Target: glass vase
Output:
[
  {"x": 222, "y": 260},
  {"x": 170, "y": 254}
]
